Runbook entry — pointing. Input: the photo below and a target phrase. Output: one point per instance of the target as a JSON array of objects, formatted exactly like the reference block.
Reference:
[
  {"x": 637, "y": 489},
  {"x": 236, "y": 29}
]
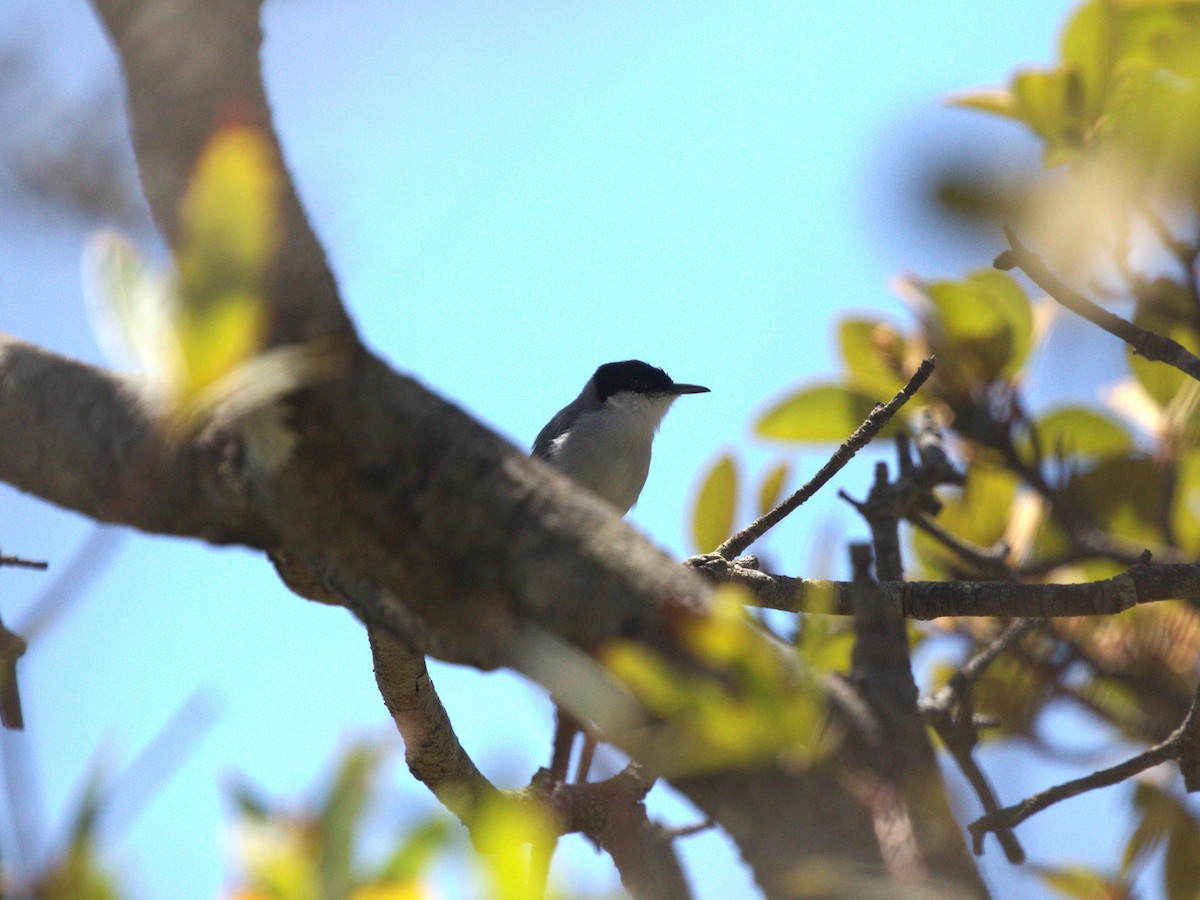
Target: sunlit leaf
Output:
[
  {"x": 716, "y": 503},
  {"x": 978, "y": 513},
  {"x": 1079, "y": 431},
  {"x": 749, "y": 705},
  {"x": 770, "y": 490},
  {"x": 1081, "y": 883},
  {"x": 981, "y": 326},
  {"x": 229, "y": 218},
  {"x": 1164, "y": 308},
  {"x": 873, "y": 352},
  {"x": 997, "y": 100},
  {"x": 1185, "y": 503},
  {"x": 820, "y": 414},
  {"x": 502, "y": 835}
]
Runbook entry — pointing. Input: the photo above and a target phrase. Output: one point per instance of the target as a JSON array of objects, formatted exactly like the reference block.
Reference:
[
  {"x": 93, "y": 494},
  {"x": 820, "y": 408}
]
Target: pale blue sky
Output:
[{"x": 511, "y": 194}]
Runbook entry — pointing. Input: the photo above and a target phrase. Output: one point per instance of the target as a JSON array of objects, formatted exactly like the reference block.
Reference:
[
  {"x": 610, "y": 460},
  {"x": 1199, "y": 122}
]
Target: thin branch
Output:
[
  {"x": 1152, "y": 346},
  {"x": 1189, "y": 746},
  {"x": 1142, "y": 583},
  {"x": 19, "y": 563},
  {"x": 990, "y": 560},
  {"x": 1011, "y": 816},
  {"x": 879, "y": 417},
  {"x": 950, "y": 712}
]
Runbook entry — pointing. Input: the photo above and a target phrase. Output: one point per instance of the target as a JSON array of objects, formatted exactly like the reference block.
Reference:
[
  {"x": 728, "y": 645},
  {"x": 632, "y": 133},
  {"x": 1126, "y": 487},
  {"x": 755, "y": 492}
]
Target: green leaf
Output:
[
  {"x": 1126, "y": 497},
  {"x": 1164, "y": 307},
  {"x": 1185, "y": 503},
  {"x": 978, "y": 513},
  {"x": 1181, "y": 874},
  {"x": 341, "y": 815},
  {"x": 770, "y": 491},
  {"x": 819, "y": 414},
  {"x": 1079, "y": 431},
  {"x": 981, "y": 327},
  {"x": 712, "y": 521},
  {"x": 1156, "y": 815},
  {"x": 418, "y": 850},
  {"x": 1079, "y": 882},
  {"x": 1044, "y": 98},
  {"x": 996, "y": 100},
  {"x": 872, "y": 351}
]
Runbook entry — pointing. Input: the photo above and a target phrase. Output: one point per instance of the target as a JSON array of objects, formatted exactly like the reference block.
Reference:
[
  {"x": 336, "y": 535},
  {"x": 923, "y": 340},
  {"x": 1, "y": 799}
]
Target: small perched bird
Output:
[
  {"x": 602, "y": 438},
  {"x": 602, "y": 441}
]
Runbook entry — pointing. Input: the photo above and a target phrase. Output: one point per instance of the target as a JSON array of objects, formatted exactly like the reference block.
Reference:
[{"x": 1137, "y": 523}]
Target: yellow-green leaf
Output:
[
  {"x": 1078, "y": 431},
  {"x": 229, "y": 219},
  {"x": 1079, "y": 883},
  {"x": 872, "y": 351},
  {"x": 1185, "y": 503},
  {"x": 982, "y": 326},
  {"x": 770, "y": 491},
  {"x": 997, "y": 100},
  {"x": 818, "y": 414},
  {"x": 712, "y": 521}
]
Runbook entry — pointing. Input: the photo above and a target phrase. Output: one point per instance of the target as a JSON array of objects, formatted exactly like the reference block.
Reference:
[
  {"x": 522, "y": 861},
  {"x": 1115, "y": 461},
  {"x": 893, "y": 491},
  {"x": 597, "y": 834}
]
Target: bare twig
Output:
[
  {"x": 19, "y": 563},
  {"x": 1189, "y": 746},
  {"x": 863, "y": 435},
  {"x": 1152, "y": 346},
  {"x": 1011, "y": 816},
  {"x": 990, "y": 560},
  {"x": 950, "y": 712}
]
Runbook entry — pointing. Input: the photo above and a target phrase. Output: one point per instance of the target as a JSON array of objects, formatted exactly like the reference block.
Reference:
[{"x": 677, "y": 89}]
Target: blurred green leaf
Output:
[
  {"x": 754, "y": 708},
  {"x": 502, "y": 834},
  {"x": 981, "y": 326},
  {"x": 977, "y": 513},
  {"x": 1164, "y": 307},
  {"x": 341, "y": 815},
  {"x": 1126, "y": 497},
  {"x": 820, "y": 414},
  {"x": 872, "y": 351},
  {"x": 712, "y": 521},
  {"x": 1155, "y": 817},
  {"x": 1185, "y": 503},
  {"x": 418, "y": 849},
  {"x": 1181, "y": 875},
  {"x": 770, "y": 491},
  {"x": 1081, "y": 883},
  {"x": 1079, "y": 431}
]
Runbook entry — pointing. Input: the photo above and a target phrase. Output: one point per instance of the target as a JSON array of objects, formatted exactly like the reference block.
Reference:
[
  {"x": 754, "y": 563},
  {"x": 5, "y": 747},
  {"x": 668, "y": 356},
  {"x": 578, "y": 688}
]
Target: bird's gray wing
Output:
[{"x": 542, "y": 445}]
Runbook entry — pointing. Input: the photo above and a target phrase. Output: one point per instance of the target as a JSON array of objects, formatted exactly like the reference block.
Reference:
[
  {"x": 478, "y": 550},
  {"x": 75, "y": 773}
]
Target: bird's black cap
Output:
[{"x": 639, "y": 378}]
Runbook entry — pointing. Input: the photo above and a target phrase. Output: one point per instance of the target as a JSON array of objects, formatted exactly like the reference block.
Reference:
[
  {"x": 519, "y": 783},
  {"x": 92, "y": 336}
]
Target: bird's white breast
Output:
[{"x": 608, "y": 450}]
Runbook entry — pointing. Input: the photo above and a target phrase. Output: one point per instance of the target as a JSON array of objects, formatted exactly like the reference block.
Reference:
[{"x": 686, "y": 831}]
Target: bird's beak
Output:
[{"x": 688, "y": 389}]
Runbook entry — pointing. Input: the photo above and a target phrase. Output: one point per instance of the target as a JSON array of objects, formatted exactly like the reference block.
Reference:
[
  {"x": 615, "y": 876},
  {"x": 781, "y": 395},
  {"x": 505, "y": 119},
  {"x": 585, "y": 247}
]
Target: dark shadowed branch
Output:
[{"x": 1155, "y": 347}]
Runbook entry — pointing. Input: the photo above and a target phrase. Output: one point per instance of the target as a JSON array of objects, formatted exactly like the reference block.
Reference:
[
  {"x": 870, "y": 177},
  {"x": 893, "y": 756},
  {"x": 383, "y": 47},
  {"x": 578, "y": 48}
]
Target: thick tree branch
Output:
[
  {"x": 91, "y": 441},
  {"x": 611, "y": 812},
  {"x": 192, "y": 67}
]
